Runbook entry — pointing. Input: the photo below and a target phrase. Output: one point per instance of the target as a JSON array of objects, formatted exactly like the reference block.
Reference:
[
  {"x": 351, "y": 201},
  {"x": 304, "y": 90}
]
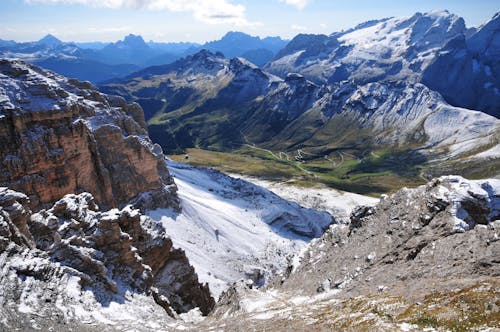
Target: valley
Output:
[
  {"x": 307, "y": 182},
  {"x": 379, "y": 172},
  {"x": 354, "y": 132}
]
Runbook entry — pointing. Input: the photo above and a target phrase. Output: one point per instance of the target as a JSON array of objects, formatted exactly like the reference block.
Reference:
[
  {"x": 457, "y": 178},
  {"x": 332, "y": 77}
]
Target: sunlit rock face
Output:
[{"x": 61, "y": 136}]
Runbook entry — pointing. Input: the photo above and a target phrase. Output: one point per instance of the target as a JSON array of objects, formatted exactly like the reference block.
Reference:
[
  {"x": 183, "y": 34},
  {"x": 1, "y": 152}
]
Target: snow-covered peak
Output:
[
  {"x": 397, "y": 35},
  {"x": 390, "y": 48},
  {"x": 201, "y": 62}
]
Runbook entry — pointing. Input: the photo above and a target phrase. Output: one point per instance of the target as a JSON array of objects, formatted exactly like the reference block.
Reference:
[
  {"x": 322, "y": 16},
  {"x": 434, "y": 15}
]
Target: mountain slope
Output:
[
  {"x": 211, "y": 102},
  {"x": 473, "y": 70},
  {"x": 416, "y": 49},
  {"x": 422, "y": 258},
  {"x": 232, "y": 229},
  {"x": 386, "y": 49}
]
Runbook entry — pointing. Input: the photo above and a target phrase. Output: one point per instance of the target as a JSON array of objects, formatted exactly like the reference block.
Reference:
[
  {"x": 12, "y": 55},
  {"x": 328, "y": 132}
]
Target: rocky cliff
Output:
[
  {"x": 76, "y": 265},
  {"x": 61, "y": 136}
]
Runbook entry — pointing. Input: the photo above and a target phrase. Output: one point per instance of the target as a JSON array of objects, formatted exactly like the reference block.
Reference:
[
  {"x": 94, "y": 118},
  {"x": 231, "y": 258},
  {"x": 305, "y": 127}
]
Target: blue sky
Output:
[{"x": 203, "y": 20}]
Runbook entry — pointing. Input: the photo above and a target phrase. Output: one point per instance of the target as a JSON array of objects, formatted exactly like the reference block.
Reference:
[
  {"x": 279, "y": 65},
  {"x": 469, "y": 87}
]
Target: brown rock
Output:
[{"x": 60, "y": 136}]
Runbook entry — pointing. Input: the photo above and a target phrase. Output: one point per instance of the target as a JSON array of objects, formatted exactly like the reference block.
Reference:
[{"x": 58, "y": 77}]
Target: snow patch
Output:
[
  {"x": 338, "y": 203},
  {"x": 459, "y": 192},
  {"x": 233, "y": 230}
]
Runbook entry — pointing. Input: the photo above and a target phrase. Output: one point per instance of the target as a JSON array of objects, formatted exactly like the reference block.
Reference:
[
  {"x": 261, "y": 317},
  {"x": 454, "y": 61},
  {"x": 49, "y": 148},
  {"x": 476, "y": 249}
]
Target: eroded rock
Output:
[
  {"x": 60, "y": 137},
  {"x": 70, "y": 261}
]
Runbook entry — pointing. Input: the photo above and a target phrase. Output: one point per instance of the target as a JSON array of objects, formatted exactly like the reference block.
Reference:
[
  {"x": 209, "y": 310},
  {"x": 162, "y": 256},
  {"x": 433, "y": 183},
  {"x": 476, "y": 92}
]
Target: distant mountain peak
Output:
[
  {"x": 235, "y": 33},
  {"x": 135, "y": 41},
  {"x": 238, "y": 36},
  {"x": 133, "y": 38},
  {"x": 49, "y": 40}
]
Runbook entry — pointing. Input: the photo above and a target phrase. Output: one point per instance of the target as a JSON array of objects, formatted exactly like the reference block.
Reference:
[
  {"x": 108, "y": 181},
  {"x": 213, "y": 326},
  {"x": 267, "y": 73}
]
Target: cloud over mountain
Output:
[
  {"x": 299, "y": 4},
  {"x": 212, "y": 11}
]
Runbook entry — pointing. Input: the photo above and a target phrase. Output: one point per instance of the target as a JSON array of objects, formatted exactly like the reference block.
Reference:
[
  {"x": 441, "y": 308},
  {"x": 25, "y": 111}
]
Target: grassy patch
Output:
[
  {"x": 372, "y": 175},
  {"x": 240, "y": 164},
  {"x": 468, "y": 309}
]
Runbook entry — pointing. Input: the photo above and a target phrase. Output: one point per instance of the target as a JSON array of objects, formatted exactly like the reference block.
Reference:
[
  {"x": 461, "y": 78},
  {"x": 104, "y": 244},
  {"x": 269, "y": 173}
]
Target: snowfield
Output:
[
  {"x": 232, "y": 229},
  {"x": 336, "y": 202}
]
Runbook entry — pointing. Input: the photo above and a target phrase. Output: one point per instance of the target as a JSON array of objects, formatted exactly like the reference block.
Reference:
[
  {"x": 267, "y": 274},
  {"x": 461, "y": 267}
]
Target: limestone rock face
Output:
[
  {"x": 69, "y": 263},
  {"x": 61, "y": 136}
]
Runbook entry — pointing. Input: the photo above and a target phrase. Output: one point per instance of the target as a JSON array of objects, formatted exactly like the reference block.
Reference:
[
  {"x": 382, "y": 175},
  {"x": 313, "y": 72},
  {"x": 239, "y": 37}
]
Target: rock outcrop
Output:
[
  {"x": 61, "y": 136},
  {"x": 422, "y": 259},
  {"x": 71, "y": 263},
  {"x": 444, "y": 231}
]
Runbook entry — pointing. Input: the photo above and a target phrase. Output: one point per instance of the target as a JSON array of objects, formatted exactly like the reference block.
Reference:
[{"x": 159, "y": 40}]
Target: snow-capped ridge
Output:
[{"x": 390, "y": 48}]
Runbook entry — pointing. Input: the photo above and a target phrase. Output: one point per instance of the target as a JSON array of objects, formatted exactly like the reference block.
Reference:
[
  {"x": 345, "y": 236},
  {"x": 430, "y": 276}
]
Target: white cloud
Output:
[
  {"x": 208, "y": 11},
  {"x": 109, "y": 29},
  {"x": 299, "y": 4},
  {"x": 298, "y": 27}
]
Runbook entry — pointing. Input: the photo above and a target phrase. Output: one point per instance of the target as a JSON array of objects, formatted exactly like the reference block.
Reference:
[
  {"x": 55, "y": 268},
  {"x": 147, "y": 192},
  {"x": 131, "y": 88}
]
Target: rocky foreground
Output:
[
  {"x": 74, "y": 266},
  {"x": 75, "y": 250},
  {"x": 427, "y": 257}
]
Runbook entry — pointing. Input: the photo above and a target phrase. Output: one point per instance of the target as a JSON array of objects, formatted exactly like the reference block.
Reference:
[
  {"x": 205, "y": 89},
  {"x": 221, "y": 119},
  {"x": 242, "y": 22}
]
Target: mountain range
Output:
[
  {"x": 417, "y": 49},
  {"x": 97, "y": 62},
  {"x": 382, "y": 114},
  {"x": 100, "y": 230}
]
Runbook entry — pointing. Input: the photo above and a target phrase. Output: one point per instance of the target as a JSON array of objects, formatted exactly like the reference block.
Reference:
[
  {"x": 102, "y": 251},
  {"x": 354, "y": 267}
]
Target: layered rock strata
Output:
[{"x": 61, "y": 136}]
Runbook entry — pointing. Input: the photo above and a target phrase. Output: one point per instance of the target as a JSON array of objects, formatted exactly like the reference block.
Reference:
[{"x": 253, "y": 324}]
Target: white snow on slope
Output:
[
  {"x": 232, "y": 229},
  {"x": 399, "y": 48},
  {"x": 459, "y": 191},
  {"x": 336, "y": 202}
]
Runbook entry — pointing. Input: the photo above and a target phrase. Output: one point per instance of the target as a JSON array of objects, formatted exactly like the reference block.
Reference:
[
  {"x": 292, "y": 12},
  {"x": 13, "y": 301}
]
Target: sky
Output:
[{"x": 205, "y": 20}]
